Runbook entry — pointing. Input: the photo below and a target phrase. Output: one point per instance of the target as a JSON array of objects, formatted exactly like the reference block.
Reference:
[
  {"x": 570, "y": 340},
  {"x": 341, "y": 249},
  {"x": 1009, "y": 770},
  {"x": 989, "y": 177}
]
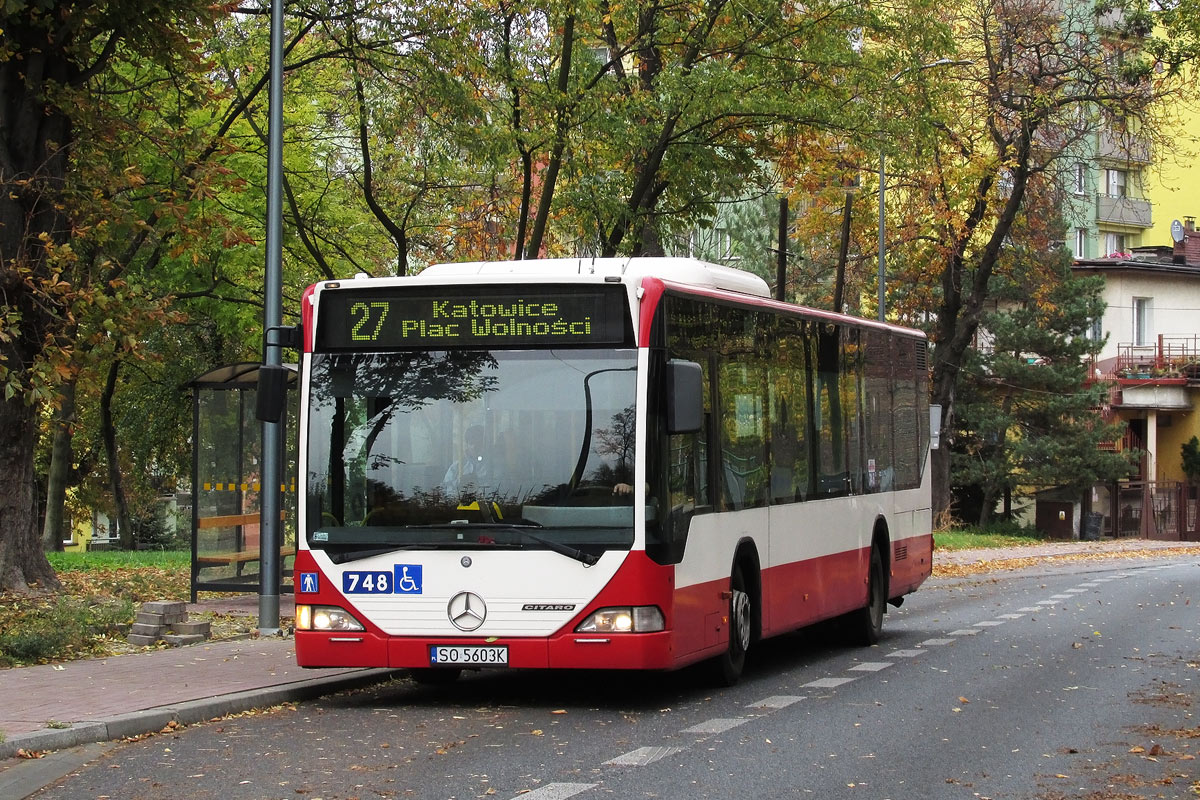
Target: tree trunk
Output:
[
  {"x": 23, "y": 565},
  {"x": 109, "y": 435},
  {"x": 53, "y": 529},
  {"x": 35, "y": 138}
]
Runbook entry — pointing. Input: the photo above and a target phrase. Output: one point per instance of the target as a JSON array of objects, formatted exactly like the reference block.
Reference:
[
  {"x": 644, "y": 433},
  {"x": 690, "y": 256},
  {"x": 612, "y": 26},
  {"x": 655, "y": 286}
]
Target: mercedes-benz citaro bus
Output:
[{"x": 637, "y": 463}]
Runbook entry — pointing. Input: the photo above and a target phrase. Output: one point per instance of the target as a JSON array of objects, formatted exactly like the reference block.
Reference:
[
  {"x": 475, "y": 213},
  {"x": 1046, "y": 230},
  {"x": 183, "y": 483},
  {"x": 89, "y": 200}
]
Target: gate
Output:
[{"x": 1161, "y": 510}]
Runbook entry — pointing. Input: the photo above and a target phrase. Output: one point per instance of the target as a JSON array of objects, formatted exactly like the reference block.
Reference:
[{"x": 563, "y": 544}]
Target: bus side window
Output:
[
  {"x": 788, "y": 409},
  {"x": 878, "y": 357}
]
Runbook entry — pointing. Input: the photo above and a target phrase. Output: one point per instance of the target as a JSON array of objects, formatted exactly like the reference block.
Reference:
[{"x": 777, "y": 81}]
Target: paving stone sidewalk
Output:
[{"x": 53, "y": 706}]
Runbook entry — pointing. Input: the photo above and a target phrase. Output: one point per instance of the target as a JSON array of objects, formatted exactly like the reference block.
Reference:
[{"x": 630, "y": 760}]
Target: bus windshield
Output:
[{"x": 471, "y": 449}]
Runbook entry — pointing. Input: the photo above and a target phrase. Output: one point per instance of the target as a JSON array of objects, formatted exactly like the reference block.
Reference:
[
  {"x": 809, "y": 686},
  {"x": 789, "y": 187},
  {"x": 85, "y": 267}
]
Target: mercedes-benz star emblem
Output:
[{"x": 467, "y": 611}]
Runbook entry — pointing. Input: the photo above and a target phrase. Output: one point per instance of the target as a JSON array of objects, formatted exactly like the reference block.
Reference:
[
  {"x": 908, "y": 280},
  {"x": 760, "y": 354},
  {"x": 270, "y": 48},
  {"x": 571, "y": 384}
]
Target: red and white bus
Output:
[{"x": 633, "y": 463}]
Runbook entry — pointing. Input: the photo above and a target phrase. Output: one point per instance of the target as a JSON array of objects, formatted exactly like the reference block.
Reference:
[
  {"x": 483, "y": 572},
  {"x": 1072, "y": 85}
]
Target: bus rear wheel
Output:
[{"x": 729, "y": 665}]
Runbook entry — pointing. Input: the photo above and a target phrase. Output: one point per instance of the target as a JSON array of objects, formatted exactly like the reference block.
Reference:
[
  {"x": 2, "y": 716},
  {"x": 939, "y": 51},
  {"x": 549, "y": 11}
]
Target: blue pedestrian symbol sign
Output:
[{"x": 308, "y": 582}]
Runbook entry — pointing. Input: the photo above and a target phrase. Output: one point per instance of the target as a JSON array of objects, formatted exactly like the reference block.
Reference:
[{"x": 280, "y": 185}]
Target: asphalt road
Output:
[{"x": 1076, "y": 682}]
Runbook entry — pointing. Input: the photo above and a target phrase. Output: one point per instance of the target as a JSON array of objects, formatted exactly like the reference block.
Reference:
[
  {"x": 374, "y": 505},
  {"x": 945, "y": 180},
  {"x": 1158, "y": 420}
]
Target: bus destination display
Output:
[{"x": 486, "y": 317}]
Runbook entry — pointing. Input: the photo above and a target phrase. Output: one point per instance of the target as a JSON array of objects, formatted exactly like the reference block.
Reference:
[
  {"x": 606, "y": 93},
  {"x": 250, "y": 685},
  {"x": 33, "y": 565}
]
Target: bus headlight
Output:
[
  {"x": 627, "y": 619},
  {"x": 325, "y": 618}
]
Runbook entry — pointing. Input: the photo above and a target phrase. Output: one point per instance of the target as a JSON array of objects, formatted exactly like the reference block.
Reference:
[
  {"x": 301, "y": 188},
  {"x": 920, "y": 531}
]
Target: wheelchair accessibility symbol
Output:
[{"x": 407, "y": 579}]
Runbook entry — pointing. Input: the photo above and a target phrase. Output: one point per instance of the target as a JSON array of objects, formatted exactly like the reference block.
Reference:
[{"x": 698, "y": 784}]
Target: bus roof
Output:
[{"x": 629, "y": 270}]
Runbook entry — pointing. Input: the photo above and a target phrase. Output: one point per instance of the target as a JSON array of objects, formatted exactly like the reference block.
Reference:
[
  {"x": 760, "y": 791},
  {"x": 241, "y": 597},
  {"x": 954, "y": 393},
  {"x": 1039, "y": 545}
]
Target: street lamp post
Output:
[
  {"x": 272, "y": 438},
  {"x": 941, "y": 62}
]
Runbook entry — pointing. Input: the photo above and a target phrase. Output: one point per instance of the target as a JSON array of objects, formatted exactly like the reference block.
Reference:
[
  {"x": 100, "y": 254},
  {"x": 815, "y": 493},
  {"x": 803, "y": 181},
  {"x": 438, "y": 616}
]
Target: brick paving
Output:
[{"x": 35, "y": 698}]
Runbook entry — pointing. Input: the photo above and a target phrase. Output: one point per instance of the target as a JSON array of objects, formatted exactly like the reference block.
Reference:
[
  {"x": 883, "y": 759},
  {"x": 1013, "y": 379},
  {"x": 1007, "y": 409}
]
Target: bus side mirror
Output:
[
  {"x": 271, "y": 398},
  {"x": 685, "y": 398}
]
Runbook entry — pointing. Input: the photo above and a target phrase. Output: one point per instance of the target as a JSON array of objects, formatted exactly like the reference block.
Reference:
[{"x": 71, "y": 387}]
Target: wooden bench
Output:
[
  {"x": 236, "y": 557},
  {"x": 223, "y": 559}
]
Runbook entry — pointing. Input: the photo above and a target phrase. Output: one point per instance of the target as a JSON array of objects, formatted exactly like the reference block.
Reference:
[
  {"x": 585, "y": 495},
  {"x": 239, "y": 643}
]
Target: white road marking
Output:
[
  {"x": 643, "y": 756},
  {"x": 963, "y": 632},
  {"x": 871, "y": 666},
  {"x": 935, "y": 642},
  {"x": 1010, "y": 616},
  {"x": 828, "y": 683},
  {"x": 555, "y": 791},
  {"x": 715, "y": 725},
  {"x": 1060, "y": 597},
  {"x": 1030, "y": 609},
  {"x": 906, "y": 653},
  {"x": 1076, "y": 591},
  {"x": 989, "y": 623},
  {"x": 776, "y": 701}
]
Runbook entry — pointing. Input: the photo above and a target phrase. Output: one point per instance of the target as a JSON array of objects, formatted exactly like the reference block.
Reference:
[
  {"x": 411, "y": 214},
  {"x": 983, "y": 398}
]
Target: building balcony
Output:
[
  {"x": 1124, "y": 148},
  {"x": 1128, "y": 211},
  {"x": 1160, "y": 376}
]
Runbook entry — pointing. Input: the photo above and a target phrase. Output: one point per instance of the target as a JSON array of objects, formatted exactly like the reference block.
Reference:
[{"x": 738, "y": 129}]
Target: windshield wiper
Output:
[
  {"x": 357, "y": 555},
  {"x": 522, "y": 529},
  {"x": 587, "y": 559}
]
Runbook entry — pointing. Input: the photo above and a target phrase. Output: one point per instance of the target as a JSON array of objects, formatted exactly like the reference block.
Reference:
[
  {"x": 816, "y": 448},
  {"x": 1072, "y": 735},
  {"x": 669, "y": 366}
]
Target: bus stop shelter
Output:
[{"x": 226, "y": 490}]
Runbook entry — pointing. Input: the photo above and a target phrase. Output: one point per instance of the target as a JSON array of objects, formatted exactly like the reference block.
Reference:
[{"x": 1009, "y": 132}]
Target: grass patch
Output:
[
  {"x": 109, "y": 559},
  {"x": 100, "y": 595},
  {"x": 999, "y": 535}
]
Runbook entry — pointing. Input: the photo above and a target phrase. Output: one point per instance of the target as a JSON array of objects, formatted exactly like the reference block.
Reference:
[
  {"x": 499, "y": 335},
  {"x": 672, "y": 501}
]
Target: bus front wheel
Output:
[
  {"x": 729, "y": 665},
  {"x": 867, "y": 622}
]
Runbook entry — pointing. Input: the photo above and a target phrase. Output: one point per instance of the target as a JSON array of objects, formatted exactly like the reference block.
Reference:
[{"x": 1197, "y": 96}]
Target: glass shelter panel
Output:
[{"x": 226, "y": 484}]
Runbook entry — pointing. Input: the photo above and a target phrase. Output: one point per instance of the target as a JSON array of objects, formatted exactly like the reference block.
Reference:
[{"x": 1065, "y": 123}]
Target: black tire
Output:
[
  {"x": 428, "y": 676},
  {"x": 729, "y": 665},
  {"x": 867, "y": 622}
]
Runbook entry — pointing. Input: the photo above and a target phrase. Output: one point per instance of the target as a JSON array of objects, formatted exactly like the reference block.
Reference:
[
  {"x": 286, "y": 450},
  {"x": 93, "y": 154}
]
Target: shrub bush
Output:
[{"x": 66, "y": 627}]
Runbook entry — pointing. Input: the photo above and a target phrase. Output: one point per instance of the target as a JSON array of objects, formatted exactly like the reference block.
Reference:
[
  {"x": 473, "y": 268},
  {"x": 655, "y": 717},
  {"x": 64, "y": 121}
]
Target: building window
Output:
[
  {"x": 1114, "y": 244},
  {"x": 1096, "y": 331},
  {"x": 1080, "y": 179},
  {"x": 1141, "y": 320},
  {"x": 1114, "y": 182},
  {"x": 1081, "y": 237}
]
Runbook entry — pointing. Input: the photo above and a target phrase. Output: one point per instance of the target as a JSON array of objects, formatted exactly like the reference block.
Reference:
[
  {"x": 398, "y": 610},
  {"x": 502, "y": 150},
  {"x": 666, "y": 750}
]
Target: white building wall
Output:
[{"x": 1174, "y": 306}]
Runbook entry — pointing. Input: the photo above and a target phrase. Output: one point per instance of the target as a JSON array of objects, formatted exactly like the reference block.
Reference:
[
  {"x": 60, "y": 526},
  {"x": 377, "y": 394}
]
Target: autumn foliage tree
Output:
[
  {"x": 1040, "y": 81},
  {"x": 62, "y": 256}
]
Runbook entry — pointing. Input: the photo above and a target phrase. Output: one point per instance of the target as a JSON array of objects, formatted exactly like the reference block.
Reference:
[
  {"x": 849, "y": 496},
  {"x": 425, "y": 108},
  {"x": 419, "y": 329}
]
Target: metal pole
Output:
[
  {"x": 781, "y": 253},
  {"x": 268, "y": 542},
  {"x": 882, "y": 189}
]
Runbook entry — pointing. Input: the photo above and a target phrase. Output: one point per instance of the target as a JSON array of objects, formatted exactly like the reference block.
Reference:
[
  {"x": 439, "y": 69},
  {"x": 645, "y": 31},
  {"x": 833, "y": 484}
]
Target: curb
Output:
[{"x": 190, "y": 712}]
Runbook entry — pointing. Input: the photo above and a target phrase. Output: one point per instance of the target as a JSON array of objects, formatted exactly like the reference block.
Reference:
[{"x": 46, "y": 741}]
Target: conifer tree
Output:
[{"x": 1028, "y": 415}]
